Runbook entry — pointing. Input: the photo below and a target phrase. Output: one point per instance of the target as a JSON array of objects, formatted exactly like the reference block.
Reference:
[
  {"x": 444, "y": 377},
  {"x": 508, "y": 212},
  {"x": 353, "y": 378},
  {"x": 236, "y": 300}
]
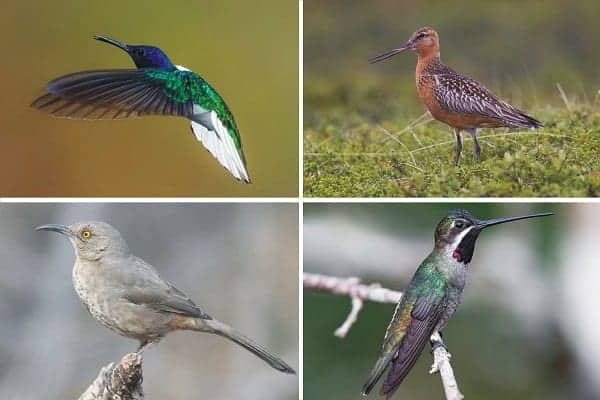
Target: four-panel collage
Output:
[{"x": 313, "y": 200}]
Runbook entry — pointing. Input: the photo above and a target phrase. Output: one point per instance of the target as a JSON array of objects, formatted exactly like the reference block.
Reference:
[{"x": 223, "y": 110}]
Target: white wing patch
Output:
[{"x": 214, "y": 136}]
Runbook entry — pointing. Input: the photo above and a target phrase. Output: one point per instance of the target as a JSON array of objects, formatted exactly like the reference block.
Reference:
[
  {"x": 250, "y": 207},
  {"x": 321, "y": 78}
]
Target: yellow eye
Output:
[{"x": 86, "y": 234}]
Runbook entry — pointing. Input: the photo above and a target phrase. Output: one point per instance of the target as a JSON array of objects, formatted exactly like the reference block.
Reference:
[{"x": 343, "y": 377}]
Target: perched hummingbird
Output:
[
  {"x": 156, "y": 86},
  {"x": 432, "y": 296}
]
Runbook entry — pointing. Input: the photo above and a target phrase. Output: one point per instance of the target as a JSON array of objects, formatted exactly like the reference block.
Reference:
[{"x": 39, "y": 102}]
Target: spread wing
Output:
[
  {"x": 118, "y": 93},
  {"x": 425, "y": 314},
  {"x": 463, "y": 95}
]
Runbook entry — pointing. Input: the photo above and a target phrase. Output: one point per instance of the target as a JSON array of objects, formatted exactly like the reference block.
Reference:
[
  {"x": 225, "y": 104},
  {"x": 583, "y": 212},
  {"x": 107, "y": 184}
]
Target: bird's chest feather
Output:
[
  {"x": 426, "y": 87},
  {"x": 90, "y": 285},
  {"x": 454, "y": 271},
  {"x": 456, "y": 274}
]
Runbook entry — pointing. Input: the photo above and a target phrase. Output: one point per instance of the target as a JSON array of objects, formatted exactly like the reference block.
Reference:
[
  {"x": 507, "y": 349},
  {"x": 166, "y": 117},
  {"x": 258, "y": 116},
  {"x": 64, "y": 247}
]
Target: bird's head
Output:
[
  {"x": 457, "y": 232},
  {"x": 91, "y": 240},
  {"x": 424, "y": 41},
  {"x": 143, "y": 56}
]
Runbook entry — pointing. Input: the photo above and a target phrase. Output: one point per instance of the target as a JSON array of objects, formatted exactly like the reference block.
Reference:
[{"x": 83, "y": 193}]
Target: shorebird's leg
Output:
[
  {"x": 473, "y": 133},
  {"x": 458, "y": 145}
]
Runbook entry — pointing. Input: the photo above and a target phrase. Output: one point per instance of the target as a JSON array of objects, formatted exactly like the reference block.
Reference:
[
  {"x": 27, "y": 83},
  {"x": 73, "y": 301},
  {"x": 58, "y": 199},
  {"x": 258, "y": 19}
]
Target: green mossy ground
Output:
[{"x": 346, "y": 155}]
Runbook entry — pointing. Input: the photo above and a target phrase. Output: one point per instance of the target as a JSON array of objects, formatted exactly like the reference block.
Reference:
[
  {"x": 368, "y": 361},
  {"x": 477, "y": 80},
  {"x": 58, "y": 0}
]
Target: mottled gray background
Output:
[{"x": 239, "y": 262}]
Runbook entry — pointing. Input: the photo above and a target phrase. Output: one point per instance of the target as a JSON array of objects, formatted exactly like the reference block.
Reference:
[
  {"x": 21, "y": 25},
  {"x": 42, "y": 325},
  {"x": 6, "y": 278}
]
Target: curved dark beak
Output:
[
  {"x": 491, "y": 222},
  {"x": 408, "y": 46},
  {"x": 114, "y": 42},
  {"x": 62, "y": 229}
]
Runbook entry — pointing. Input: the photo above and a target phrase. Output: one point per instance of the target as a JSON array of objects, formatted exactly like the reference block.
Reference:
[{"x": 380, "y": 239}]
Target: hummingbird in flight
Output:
[
  {"x": 155, "y": 87},
  {"x": 431, "y": 298}
]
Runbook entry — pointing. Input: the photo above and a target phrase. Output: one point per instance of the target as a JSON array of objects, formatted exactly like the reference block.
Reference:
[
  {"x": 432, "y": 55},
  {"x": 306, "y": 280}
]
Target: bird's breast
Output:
[{"x": 93, "y": 291}]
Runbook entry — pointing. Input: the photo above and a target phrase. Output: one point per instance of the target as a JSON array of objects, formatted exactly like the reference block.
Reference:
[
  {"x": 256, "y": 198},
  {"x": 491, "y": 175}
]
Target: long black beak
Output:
[
  {"x": 391, "y": 53},
  {"x": 495, "y": 221},
  {"x": 62, "y": 229},
  {"x": 114, "y": 42}
]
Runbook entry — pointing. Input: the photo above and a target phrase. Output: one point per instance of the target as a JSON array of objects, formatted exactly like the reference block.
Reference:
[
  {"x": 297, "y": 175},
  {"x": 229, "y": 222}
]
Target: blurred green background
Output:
[
  {"x": 247, "y": 50},
  {"x": 520, "y": 50},
  {"x": 527, "y": 327}
]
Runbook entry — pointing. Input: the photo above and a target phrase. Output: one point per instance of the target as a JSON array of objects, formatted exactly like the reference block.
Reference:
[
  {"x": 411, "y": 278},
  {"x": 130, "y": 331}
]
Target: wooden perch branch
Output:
[
  {"x": 359, "y": 293},
  {"x": 441, "y": 364},
  {"x": 122, "y": 381}
]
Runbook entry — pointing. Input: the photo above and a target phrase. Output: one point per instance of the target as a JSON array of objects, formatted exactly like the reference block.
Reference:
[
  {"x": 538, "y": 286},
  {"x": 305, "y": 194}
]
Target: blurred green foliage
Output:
[
  {"x": 247, "y": 50},
  {"x": 520, "y": 50}
]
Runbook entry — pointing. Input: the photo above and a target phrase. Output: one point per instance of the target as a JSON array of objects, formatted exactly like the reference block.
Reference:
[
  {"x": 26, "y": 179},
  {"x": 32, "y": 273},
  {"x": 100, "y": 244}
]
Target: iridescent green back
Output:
[{"x": 184, "y": 86}]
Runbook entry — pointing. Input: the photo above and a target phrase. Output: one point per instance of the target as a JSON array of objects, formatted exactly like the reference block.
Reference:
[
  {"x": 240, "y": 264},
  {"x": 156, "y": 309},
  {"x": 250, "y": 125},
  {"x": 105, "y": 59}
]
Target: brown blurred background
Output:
[
  {"x": 239, "y": 263},
  {"x": 247, "y": 50}
]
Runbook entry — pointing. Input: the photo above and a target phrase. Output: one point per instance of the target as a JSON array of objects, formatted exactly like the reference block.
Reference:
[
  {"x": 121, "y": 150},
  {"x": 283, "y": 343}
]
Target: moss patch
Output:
[{"x": 350, "y": 155}]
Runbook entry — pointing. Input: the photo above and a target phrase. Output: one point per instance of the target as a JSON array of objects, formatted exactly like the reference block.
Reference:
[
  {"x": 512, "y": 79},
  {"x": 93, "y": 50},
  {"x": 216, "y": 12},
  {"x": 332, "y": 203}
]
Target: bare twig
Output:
[
  {"x": 441, "y": 364},
  {"x": 353, "y": 288},
  {"x": 118, "y": 381},
  {"x": 374, "y": 292}
]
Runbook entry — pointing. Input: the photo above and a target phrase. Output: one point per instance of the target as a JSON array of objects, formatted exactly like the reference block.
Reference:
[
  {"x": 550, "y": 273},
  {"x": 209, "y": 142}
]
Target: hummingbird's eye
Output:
[
  {"x": 458, "y": 224},
  {"x": 140, "y": 52},
  {"x": 86, "y": 234}
]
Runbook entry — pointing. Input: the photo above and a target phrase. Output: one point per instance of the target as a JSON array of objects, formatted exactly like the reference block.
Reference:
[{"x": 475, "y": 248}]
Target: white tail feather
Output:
[{"x": 215, "y": 137}]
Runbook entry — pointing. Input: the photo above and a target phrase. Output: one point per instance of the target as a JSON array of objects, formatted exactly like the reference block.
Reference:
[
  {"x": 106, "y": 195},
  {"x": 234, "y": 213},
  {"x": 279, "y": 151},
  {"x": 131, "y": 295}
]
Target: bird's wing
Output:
[
  {"x": 424, "y": 316},
  {"x": 407, "y": 334},
  {"x": 463, "y": 95},
  {"x": 150, "y": 290},
  {"x": 411, "y": 326},
  {"x": 113, "y": 94},
  {"x": 131, "y": 93},
  {"x": 167, "y": 301}
]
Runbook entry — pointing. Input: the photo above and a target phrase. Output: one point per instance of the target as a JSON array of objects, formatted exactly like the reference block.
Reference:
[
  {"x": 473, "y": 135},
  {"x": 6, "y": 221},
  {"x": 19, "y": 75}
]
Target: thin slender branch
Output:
[
  {"x": 353, "y": 288},
  {"x": 441, "y": 364},
  {"x": 359, "y": 293}
]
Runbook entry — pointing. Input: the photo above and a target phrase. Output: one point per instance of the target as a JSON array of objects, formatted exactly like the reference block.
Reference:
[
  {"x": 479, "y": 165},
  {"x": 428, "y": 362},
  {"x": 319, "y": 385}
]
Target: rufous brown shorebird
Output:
[{"x": 455, "y": 99}]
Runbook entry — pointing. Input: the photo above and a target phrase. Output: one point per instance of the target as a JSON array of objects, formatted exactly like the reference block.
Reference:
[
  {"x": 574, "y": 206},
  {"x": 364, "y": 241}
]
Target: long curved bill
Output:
[
  {"x": 390, "y": 53},
  {"x": 114, "y": 42},
  {"x": 62, "y": 229},
  {"x": 496, "y": 221}
]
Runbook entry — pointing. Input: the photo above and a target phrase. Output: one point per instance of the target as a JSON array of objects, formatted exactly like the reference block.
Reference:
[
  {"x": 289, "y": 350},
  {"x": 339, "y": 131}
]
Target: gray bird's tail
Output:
[{"x": 221, "y": 329}]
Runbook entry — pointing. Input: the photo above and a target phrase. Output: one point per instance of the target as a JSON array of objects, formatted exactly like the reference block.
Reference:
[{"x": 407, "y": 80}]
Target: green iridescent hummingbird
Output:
[
  {"x": 431, "y": 298},
  {"x": 155, "y": 87}
]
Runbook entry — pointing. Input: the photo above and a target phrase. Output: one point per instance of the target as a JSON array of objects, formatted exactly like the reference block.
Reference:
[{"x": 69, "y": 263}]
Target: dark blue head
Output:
[{"x": 143, "y": 56}]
